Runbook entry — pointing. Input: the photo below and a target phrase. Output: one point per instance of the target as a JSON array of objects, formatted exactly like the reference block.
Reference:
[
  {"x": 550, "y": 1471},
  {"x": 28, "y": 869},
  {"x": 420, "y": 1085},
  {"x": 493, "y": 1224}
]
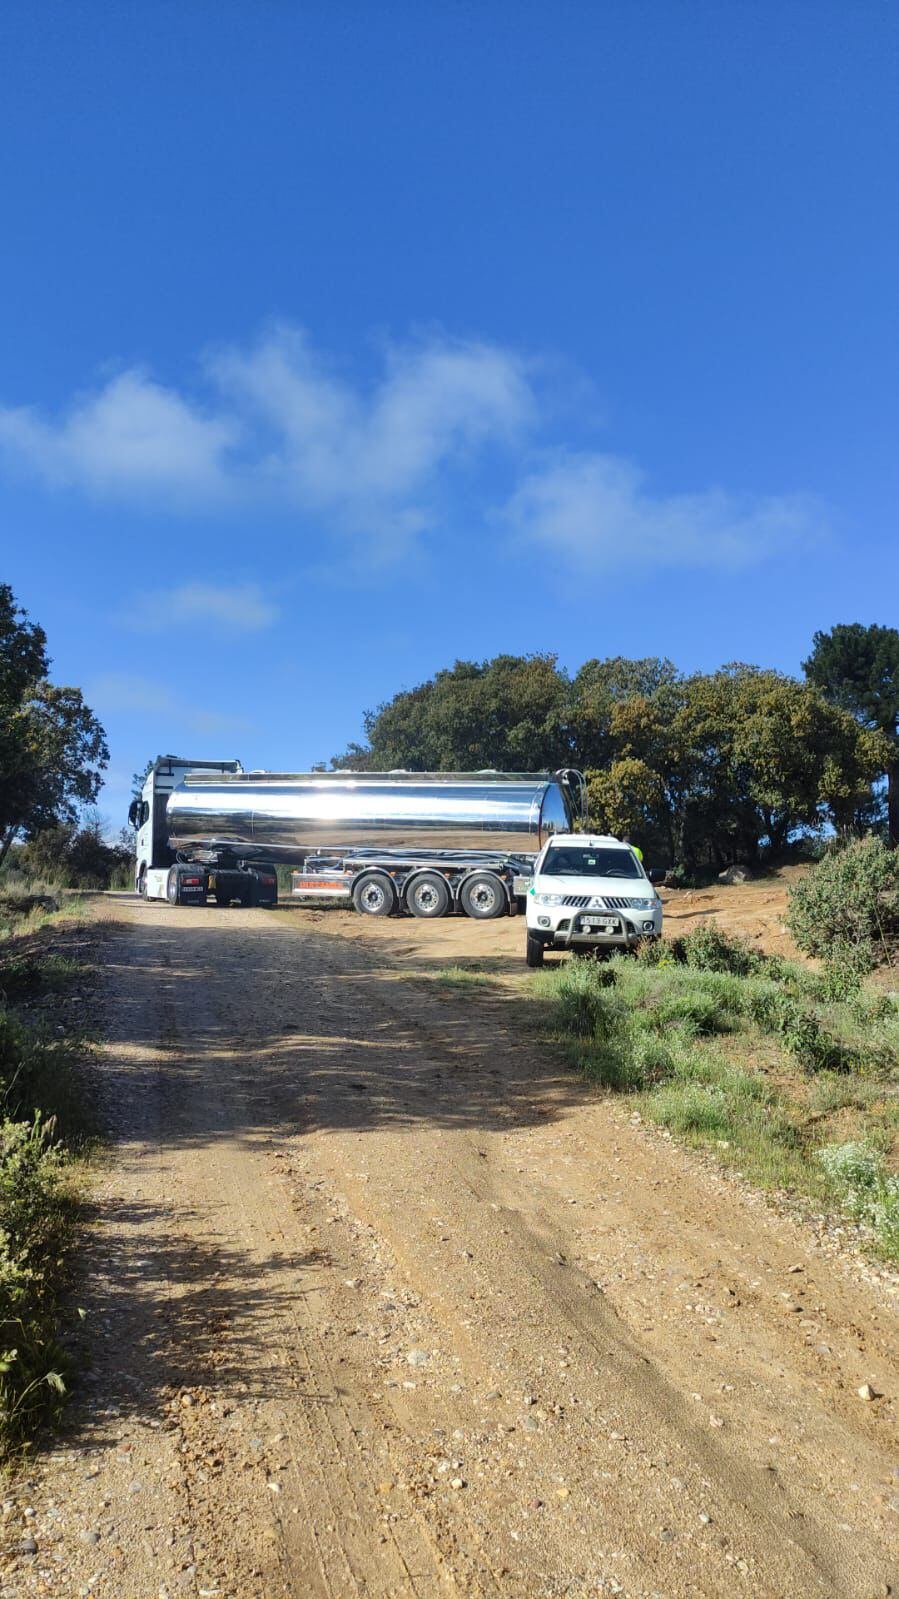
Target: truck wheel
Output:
[
  {"x": 374, "y": 895},
  {"x": 534, "y": 951},
  {"x": 142, "y": 883},
  {"x": 428, "y": 895},
  {"x": 483, "y": 897},
  {"x": 171, "y": 886}
]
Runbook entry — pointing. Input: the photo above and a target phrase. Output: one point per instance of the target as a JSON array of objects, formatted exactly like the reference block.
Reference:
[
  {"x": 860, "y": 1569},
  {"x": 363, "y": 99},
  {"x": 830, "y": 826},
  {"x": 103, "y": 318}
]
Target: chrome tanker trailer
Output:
[{"x": 426, "y": 842}]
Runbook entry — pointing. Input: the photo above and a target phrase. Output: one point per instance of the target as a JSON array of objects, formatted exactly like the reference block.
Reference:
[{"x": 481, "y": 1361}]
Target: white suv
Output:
[{"x": 589, "y": 892}]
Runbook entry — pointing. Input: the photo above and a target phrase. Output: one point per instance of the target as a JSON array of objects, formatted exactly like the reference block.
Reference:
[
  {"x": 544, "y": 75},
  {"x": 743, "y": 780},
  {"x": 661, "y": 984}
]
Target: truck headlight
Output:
[{"x": 549, "y": 899}]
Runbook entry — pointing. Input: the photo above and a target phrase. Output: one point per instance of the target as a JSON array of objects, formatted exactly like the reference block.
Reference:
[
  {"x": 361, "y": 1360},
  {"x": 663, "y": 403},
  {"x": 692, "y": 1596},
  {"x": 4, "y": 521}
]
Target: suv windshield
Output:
[{"x": 590, "y": 863}]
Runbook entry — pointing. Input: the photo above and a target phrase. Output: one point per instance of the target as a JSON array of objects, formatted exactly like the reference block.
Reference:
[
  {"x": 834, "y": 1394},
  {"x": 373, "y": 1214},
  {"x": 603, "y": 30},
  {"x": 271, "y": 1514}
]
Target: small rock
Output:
[
  {"x": 531, "y": 1424},
  {"x": 187, "y": 1401},
  {"x": 866, "y": 1391},
  {"x": 716, "y": 1421},
  {"x": 26, "y": 1546},
  {"x": 417, "y": 1357},
  {"x": 735, "y": 874},
  {"x": 90, "y": 1535},
  {"x": 457, "y": 1482}
]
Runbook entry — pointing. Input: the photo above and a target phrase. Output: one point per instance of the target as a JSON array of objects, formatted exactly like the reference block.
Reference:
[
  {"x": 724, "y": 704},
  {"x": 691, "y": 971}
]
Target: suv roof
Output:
[{"x": 588, "y": 840}]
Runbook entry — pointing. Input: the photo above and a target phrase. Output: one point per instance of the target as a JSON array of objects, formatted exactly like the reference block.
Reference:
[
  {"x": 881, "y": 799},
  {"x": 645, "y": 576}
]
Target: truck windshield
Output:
[{"x": 590, "y": 863}]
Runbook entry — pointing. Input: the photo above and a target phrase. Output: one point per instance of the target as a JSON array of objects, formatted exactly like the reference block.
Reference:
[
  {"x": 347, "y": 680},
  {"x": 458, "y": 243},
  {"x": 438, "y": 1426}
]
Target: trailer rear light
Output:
[{"x": 190, "y": 882}]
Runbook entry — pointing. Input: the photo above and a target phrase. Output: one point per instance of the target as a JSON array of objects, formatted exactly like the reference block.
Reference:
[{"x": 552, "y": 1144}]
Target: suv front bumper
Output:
[{"x": 567, "y": 929}]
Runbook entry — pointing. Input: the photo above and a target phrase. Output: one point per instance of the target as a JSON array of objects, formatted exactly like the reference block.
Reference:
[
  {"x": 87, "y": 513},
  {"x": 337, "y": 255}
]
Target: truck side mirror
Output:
[{"x": 133, "y": 812}]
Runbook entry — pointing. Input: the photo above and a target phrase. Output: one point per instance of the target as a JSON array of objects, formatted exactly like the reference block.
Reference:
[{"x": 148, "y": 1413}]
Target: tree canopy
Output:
[
  {"x": 507, "y": 713},
  {"x": 700, "y": 770},
  {"x": 52, "y": 748},
  {"x": 857, "y": 667}
]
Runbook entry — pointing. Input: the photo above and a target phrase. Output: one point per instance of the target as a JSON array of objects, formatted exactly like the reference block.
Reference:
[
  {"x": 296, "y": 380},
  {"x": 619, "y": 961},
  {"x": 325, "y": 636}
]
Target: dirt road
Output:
[{"x": 384, "y": 1301}]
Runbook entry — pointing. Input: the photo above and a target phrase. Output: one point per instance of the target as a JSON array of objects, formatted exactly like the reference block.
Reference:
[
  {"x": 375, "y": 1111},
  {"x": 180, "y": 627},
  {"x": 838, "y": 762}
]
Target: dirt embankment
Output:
[{"x": 384, "y": 1301}]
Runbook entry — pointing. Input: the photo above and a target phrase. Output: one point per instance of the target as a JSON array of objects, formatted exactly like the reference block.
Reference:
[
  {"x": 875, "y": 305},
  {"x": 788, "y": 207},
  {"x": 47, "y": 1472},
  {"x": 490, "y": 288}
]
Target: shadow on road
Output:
[{"x": 257, "y": 1030}]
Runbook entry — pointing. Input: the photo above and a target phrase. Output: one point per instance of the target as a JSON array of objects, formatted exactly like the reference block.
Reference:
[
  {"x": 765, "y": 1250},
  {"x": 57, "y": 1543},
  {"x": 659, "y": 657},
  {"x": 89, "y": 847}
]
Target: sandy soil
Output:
[
  {"x": 384, "y": 1301},
  {"x": 753, "y": 911}
]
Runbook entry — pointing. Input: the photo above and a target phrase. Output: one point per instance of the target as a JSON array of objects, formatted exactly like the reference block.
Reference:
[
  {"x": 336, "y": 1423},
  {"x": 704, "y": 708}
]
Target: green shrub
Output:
[
  {"x": 654, "y": 1059},
  {"x": 661, "y": 952},
  {"x": 696, "y": 1013},
  {"x": 842, "y": 974},
  {"x": 709, "y": 949},
  {"x": 698, "y": 1108},
  {"x": 847, "y": 907},
  {"x": 582, "y": 998},
  {"x": 36, "y": 1214},
  {"x": 865, "y": 1189},
  {"x": 777, "y": 1011},
  {"x": 39, "y": 1074}
]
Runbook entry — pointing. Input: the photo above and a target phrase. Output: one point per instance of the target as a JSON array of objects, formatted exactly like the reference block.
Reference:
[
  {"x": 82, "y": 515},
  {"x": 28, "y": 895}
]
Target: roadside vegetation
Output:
[
  {"x": 44, "y": 1130},
  {"x": 789, "y": 1074},
  {"x": 52, "y": 756}
]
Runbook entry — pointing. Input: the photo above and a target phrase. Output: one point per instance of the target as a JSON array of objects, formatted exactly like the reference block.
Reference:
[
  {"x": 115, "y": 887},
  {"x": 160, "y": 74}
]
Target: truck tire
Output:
[
  {"x": 483, "y": 897},
  {"x": 534, "y": 951},
  {"x": 263, "y": 882},
  {"x": 374, "y": 894},
  {"x": 427, "y": 895},
  {"x": 186, "y": 885}
]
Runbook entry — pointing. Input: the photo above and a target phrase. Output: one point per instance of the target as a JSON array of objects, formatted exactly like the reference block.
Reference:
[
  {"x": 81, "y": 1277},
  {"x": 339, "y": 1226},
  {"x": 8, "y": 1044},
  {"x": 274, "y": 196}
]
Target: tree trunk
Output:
[
  {"x": 5, "y": 843},
  {"x": 892, "y": 802}
]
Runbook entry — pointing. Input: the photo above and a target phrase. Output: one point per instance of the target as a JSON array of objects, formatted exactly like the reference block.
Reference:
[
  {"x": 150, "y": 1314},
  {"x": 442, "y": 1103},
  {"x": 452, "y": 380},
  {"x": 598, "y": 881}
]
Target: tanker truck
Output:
[{"x": 427, "y": 843}]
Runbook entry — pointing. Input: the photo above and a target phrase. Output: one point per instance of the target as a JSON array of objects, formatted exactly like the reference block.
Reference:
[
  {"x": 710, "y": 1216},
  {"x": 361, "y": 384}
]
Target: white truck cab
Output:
[{"x": 589, "y": 891}]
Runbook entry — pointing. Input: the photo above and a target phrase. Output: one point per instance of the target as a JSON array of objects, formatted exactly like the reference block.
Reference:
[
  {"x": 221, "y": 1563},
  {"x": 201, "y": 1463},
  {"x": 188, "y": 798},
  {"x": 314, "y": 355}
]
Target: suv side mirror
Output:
[{"x": 656, "y": 874}]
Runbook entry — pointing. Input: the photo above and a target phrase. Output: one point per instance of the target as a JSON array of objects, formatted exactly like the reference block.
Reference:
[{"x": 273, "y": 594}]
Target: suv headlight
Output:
[{"x": 549, "y": 899}]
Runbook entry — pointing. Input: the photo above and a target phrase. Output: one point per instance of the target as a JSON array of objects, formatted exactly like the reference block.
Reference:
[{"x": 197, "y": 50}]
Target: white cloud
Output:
[
  {"x": 275, "y": 427},
  {"x": 282, "y": 429},
  {"x": 144, "y": 697},
  {"x": 593, "y": 512},
  {"x": 132, "y": 438},
  {"x": 240, "y": 607}
]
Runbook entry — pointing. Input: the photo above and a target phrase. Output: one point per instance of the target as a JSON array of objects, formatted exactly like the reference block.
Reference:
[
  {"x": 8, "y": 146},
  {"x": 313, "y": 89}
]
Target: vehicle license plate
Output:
[{"x": 600, "y": 924}]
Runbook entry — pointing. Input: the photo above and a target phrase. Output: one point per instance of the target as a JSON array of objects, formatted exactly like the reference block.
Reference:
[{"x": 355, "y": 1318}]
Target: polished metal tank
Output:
[{"x": 289, "y": 815}]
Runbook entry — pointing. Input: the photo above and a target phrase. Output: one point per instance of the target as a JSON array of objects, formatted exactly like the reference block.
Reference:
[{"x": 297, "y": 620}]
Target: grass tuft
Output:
[{"x": 752, "y": 1057}]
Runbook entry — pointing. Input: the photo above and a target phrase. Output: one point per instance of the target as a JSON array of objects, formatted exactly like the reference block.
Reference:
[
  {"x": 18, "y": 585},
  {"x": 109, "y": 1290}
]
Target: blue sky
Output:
[{"x": 340, "y": 340}]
